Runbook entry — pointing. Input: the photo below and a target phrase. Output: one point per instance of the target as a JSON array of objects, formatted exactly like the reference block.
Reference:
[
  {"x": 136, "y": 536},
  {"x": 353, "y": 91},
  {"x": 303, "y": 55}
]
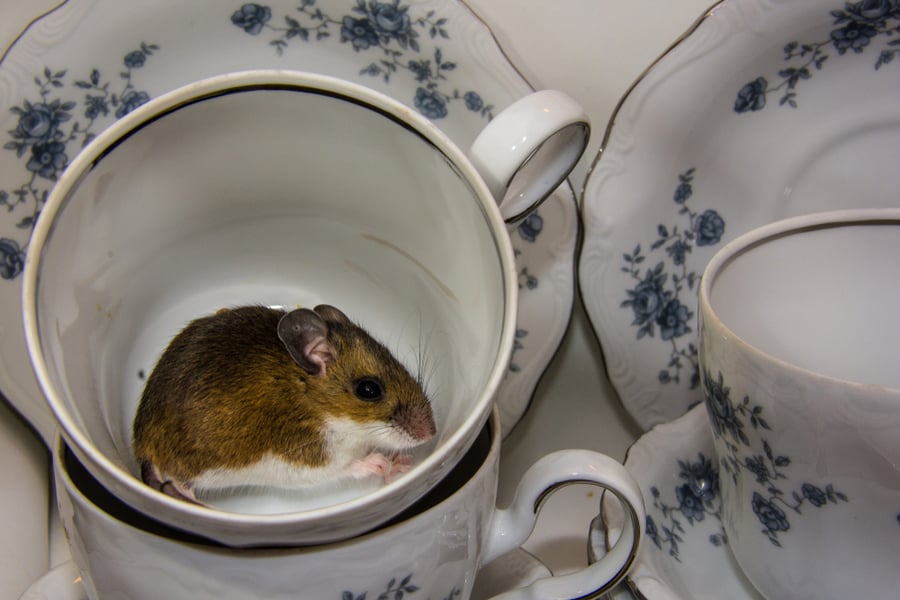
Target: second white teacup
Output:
[
  {"x": 433, "y": 550},
  {"x": 799, "y": 357}
]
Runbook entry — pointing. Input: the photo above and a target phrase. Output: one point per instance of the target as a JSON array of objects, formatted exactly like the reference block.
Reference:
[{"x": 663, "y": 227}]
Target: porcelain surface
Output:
[
  {"x": 286, "y": 228},
  {"x": 86, "y": 63},
  {"x": 454, "y": 530},
  {"x": 24, "y": 498},
  {"x": 764, "y": 109},
  {"x": 512, "y": 570},
  {"x": 804, "y": 417},
  {"x": 63, "y": 582},
  {"x": 685, "y": 555}
]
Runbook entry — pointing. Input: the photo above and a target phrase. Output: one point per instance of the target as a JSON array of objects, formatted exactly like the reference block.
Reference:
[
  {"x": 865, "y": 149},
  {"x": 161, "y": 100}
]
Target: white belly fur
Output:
[{"x": 346, "y": 441}]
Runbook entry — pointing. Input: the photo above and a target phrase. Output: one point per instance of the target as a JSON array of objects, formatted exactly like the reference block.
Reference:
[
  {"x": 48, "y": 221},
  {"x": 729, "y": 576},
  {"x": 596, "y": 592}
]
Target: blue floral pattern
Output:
[
  {"x": 856, "y": 27},
  {"x": 695, "y": 499},
  {"x": 529, "y": 230},
  {"x": 50, "y": 130},
  {"x": 12, "y": 258},
  {"x": 771, "y": 504},
  {"x": 657, "y": 299},
  {"x": 371, "y": 27},
  {"x": 397, "y": 590},
  {"x": 517, "y": 345}
]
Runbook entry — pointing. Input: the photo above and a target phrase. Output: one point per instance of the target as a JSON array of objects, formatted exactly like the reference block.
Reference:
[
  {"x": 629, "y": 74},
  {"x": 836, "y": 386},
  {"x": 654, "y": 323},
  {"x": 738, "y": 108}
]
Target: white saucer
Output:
[
  {"x": 91, "y": 59},
  {"x": 684, "y": 554},
  {"x": 764, "y": 109},
  {"x": 513, "y": 570}
]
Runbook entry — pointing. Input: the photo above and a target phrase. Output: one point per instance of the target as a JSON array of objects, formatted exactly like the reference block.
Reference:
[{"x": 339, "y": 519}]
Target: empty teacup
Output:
[
  {"x": 799, "y": 360},
  {"x": 432, "y": 550},
  {"x": 284, "y": 189}
]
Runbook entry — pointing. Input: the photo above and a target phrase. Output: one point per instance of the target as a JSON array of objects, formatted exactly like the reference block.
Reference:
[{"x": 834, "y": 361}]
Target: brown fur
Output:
[{"x": 226, "y": 392}]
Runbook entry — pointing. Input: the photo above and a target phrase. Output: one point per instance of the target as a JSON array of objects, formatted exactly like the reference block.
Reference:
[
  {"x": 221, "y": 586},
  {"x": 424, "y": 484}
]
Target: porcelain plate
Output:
[{"x": 765, "y": 109}]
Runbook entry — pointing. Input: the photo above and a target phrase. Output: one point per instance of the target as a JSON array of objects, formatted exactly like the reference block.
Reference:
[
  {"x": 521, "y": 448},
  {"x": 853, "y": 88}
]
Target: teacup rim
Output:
[
  {"x": 833, "y": 219},
  {"x": 206, "y": 88},
  {"x": 390, "y": 527}
]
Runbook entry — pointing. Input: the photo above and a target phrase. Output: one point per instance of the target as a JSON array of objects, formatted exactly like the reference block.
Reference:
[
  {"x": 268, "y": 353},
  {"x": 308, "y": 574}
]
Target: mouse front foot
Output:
[{"x": 386, "y": 467}]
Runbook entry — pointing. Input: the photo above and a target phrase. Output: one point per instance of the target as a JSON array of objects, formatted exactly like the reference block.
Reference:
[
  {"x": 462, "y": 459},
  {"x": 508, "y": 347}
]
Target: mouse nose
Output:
[{"x": 417, "y": 421}]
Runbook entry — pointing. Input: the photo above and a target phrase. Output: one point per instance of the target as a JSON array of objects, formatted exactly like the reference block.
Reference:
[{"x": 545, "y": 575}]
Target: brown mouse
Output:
[{"x": 255, "y": 396}]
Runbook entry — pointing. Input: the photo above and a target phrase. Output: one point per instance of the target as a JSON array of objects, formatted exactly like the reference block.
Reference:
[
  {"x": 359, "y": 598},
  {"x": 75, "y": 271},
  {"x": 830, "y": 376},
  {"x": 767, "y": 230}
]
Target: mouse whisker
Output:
[{"x": 426, "y": 367}]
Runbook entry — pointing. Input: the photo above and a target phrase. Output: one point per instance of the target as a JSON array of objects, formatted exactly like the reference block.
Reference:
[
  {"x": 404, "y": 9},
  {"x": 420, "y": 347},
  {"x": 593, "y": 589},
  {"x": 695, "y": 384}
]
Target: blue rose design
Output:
[
  {"x": 359, "y": 33},
  {"x": 473, "y": 101},
  {"x": 718, "y": 404},
  {"x": 853, "y": 36},
  {"x": 673, "y": 320},
  {"x": 647, "y": 301},
  {"x": 135, "y": 59},
  {"x": 709, "y": 228},
  {"x": 389, "y": 20},
  {"x": 772, "y": 517},
  {"x": 251, "y": 17},
  {"x": 871, "y": 11},
  {"x": 12, "y": 259},
  {"x": 703, "y": 479},
  {"x": 47, "y": 159},
  {"x": 531, "y": 227},
  {"x": 752, "y": 96},
  {"x": 814, "y": 494},
  {"x": 387, "y": 25},
  {"x": 855, "y": 27},
  {"x": 430, "y": 103},
  {"x": 130, "y": 101},
  {"x": 689, "y": 504},
  {"x": 39, "y": 123}
]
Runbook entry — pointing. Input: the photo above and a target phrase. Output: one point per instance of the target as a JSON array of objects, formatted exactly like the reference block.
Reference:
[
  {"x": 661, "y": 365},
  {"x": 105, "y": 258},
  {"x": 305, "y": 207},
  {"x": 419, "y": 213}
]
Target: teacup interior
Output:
[
  {"x": 281, "y": 197},
  {"x": 820, "y": 298}
]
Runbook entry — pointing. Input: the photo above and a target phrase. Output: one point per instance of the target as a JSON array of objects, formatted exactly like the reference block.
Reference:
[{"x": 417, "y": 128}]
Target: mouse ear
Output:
[
  {"x": 330, "y": 313},
  {"x": 305, "y": 336}
]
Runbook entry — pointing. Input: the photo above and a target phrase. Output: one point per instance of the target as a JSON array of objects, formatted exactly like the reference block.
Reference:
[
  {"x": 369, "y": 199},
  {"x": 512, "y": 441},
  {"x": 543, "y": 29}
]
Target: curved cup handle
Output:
[
  {"x": 528, "y": 150},
  {"x": 511, "y": 526}
]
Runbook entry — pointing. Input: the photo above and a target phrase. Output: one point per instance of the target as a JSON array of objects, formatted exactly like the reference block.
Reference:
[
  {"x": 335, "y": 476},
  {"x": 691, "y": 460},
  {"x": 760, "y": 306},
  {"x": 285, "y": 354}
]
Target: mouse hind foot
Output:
[{"x": 170, "y": 487}]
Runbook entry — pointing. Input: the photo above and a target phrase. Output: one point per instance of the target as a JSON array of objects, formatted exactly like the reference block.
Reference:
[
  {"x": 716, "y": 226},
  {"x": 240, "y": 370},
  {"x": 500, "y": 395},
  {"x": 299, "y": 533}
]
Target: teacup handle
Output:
[
  {"x": 511, "y": 526},
  {"x": 528, "y": 150}
]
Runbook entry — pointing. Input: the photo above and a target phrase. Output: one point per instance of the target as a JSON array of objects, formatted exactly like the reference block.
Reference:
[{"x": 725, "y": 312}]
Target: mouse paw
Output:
[
  {"x": 400, "y": 464},
  {"x": 170, "y": 487},
  {"x": 386, "y": 467}
]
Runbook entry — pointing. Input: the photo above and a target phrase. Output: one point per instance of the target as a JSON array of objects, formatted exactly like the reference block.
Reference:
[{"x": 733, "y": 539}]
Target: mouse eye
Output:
[{"x": 369, "y": 389}]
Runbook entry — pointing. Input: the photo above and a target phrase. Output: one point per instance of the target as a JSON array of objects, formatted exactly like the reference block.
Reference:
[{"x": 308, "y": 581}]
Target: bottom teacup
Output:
[{"x": 432, "y": 550}]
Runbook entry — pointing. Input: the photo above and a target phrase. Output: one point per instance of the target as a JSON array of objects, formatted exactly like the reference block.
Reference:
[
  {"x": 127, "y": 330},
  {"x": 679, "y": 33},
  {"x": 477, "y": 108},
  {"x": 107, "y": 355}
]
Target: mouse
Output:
[{"x": 260, "y": 396}]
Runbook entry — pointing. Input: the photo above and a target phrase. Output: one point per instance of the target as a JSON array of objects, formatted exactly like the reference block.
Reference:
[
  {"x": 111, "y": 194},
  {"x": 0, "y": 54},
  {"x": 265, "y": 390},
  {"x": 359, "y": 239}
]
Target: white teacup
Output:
[
  {"x": 433, "y": 550},
  {"x": 799, "y": 351},
  {"x": 285, "y": 188}
]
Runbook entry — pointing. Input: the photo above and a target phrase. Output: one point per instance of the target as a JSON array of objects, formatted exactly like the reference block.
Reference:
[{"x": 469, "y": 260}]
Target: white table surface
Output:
[{"x": 591, "y": 49}]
